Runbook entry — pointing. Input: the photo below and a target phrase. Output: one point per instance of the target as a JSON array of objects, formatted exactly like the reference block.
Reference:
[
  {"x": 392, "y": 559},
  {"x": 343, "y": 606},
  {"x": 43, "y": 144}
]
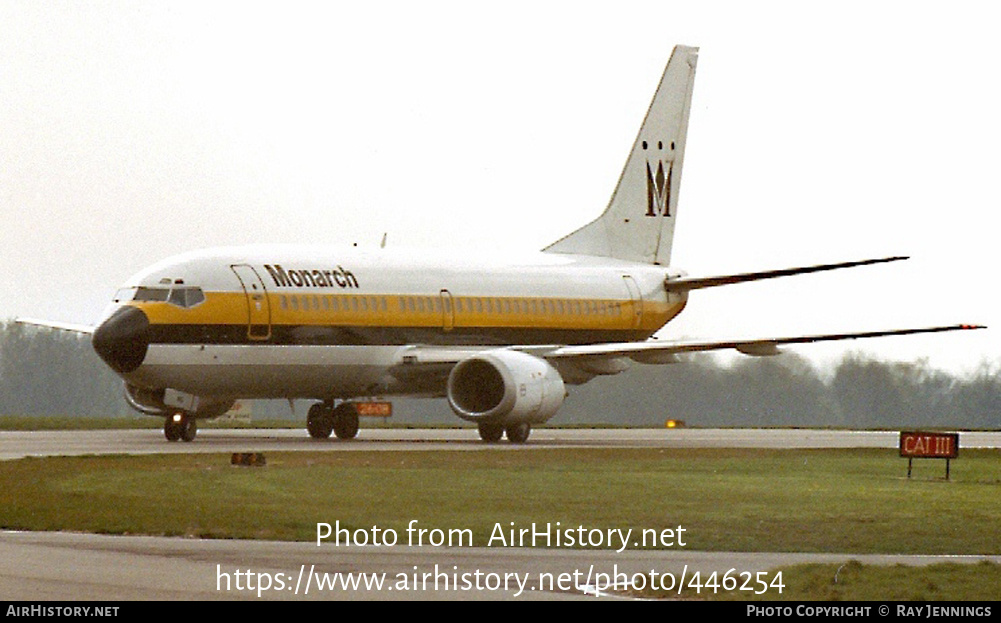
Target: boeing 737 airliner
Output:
[{"x": 500, "y": 337}]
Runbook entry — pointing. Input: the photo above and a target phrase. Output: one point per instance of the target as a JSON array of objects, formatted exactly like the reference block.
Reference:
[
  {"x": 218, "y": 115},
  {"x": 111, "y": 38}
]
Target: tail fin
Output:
[{"x": 638, "y": 224}]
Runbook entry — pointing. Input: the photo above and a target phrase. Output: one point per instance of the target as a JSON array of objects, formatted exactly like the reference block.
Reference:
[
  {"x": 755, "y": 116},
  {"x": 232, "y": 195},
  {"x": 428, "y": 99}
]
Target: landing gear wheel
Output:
[
  {"x": 189, "y": 428},
  {"x": 171, "y": 430},
  {"x": 491, "y": 432},
  {"x": 518, "y": 433},
  {"x": 346, "y": 421},
  {"x": 319, "y": 421},
  {"x": 180, "y": 426}
]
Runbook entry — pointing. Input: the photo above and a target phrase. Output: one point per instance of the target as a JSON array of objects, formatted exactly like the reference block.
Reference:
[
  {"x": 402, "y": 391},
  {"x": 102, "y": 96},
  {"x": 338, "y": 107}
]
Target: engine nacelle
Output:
[
  {"x": 163, "y": 402},
  {"x": 506, "y": 387}
]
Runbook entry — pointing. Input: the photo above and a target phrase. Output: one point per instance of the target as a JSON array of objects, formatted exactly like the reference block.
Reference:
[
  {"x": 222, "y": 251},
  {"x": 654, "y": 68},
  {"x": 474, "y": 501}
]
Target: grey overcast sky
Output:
[{"x": 836, "y": 131}]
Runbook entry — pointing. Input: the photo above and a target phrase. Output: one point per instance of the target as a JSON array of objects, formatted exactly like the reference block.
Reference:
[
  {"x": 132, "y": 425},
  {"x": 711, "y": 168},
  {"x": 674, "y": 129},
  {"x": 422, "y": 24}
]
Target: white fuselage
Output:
[{"x": 308, "y": 322}]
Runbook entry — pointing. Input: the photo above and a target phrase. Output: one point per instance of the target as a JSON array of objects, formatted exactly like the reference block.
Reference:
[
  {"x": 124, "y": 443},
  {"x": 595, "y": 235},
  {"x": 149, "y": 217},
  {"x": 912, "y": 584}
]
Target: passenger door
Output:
[{"x": 258, "y": 305}]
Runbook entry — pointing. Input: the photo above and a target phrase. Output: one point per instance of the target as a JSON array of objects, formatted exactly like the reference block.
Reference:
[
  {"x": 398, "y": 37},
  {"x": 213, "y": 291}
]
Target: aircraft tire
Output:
[
  {"x": 346, "y": 421},
  {"x": 518, "y": 433},
  {"x": 319, "y": 421},
  {"x": 491, "y": 432},
  {"x": 189, "y": 428},
  {"x": 171, "y": 430}
]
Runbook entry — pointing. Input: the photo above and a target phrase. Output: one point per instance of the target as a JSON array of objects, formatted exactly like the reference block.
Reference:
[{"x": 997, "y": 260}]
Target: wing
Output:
[
  {"x": 62, "y": 326},
  {"x": 662, "y": 351},
  {"x": 421, "y": 359}
]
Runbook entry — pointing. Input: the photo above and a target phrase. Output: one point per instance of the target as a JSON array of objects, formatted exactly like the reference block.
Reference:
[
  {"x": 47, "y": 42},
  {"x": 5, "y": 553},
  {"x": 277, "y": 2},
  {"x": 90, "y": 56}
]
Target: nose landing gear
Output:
[{"x": 180, "y": 426}]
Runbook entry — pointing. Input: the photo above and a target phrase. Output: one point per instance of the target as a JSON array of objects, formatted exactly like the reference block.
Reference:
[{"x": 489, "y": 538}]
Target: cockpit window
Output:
[
  {"x": 151, "y": 294},
  {"x": 184, "y": 296},
  {"x": 194, "y": 296},
  {"x": 124, "y": 295}
]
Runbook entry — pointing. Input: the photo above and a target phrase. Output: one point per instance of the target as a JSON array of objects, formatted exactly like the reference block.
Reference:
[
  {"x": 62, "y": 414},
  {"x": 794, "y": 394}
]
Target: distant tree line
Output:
[
  {"x": 48, "y": 372},
  {"x": 788, "y": 390}
]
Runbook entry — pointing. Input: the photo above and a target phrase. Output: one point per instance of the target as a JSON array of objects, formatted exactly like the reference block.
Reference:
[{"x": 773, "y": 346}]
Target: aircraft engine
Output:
[
  {"x": 156, "y": 402},
  {"x": 507, "y": 387}
]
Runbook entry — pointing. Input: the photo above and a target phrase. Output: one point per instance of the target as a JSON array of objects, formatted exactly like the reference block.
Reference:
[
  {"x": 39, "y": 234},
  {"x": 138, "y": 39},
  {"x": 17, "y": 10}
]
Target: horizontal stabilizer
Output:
[{"x": 694, "y": 283}]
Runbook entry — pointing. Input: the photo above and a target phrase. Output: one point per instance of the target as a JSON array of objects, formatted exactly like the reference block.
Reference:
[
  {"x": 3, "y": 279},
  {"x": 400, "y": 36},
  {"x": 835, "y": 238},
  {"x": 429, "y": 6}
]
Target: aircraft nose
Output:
[{"x": 121, "y": 340}]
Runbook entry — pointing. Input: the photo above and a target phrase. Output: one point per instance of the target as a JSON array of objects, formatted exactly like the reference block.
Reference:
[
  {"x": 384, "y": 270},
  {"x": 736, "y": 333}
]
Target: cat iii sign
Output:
[{"x": 922, "y": 445}]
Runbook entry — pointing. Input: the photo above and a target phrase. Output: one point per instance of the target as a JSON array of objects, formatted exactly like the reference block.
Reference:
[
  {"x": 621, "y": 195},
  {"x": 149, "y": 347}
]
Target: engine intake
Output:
[{"x": 506, "y": 387}]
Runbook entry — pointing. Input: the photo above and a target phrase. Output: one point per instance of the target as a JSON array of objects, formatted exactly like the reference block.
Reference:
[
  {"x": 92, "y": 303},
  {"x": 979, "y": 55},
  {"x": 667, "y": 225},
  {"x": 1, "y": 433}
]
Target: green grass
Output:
[
  {"x": 845, "y": 501},
  {"x": 851, "y": 581},
  {"x": 842, "y": 501},
  {"x": 854, "y": 581}
]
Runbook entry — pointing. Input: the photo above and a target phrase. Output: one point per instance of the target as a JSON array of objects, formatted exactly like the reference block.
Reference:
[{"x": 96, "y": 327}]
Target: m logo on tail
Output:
[{"x": 658, "y": 190}]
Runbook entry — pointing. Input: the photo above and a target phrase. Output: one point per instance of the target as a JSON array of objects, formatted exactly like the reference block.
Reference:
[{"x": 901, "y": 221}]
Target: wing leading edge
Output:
[{"x": 651, "y": 351}]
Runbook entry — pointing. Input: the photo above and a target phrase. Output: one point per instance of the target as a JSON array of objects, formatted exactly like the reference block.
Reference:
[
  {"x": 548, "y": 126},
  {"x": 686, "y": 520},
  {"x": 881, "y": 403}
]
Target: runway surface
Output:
[
  {"x": 71, "y": 567},
  {"x": 74, "y": 443}
]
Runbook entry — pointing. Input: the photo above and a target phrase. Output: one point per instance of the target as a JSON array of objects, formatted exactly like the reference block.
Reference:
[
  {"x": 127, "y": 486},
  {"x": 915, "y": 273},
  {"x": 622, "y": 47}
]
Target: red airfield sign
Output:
[{"x": 923, "y": 445}]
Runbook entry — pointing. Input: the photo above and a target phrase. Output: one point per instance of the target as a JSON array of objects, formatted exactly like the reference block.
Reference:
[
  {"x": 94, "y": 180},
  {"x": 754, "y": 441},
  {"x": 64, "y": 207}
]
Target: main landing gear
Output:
[
  {"x": 491, "y": 432},
  {"x": 324, "y": 418},
  {"x": 181, "y": 426}
]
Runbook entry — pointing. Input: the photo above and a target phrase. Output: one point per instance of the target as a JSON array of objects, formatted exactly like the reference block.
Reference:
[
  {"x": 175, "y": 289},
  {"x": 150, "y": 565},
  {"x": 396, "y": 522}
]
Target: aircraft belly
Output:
[{"x": 264, "y": 371}]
